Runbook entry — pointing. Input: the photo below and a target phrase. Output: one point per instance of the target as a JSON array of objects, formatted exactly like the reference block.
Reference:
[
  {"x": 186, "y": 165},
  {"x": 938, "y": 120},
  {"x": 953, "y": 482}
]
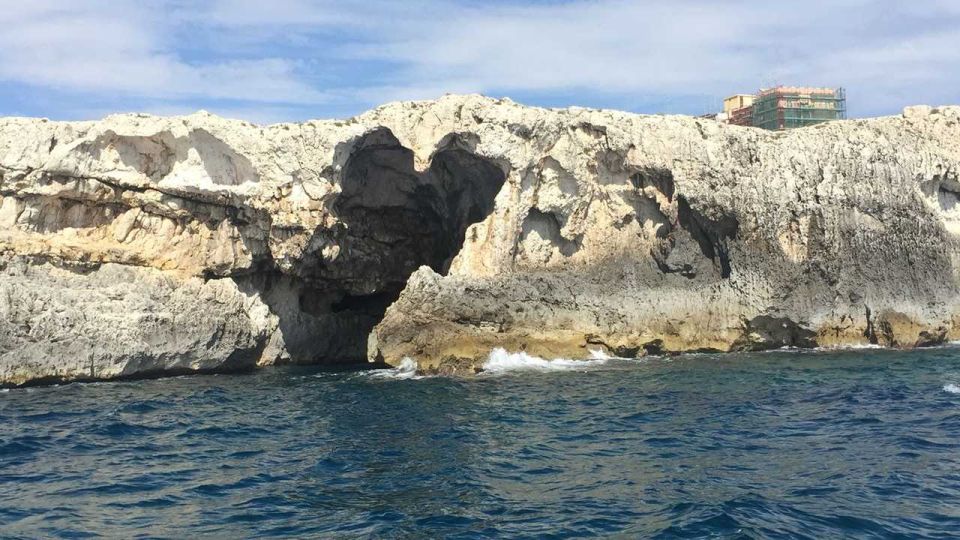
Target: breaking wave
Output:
[
  {"x": 599, "y": 354},
  {"x": 406, "y": 370},
  {"x": 501, "y": 361},
  {"x": 952, "y": 388}
]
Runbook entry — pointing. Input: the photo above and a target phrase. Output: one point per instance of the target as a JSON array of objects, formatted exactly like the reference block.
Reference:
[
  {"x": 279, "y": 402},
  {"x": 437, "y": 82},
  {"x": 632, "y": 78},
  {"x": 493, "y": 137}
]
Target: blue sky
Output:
[{"x": 268, "y": 61}]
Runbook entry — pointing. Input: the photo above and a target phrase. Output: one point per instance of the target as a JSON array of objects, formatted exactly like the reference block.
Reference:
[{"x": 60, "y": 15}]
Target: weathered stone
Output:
[
  {"x": 693, "y": 236},
  {"x": 141, "y": 244}
]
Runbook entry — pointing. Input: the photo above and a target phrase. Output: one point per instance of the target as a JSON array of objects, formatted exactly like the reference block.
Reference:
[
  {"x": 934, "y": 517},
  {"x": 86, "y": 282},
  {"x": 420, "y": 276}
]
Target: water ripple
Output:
[{"x": 800, "y": 445}]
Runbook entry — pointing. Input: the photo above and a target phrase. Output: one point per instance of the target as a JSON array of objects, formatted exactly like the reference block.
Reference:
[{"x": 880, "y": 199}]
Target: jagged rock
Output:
[{"x": 140, "y": 244}]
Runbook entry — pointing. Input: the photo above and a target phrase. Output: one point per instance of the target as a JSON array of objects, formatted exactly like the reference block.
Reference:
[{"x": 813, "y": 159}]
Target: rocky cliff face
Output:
[{"x": 438, "y": 230}]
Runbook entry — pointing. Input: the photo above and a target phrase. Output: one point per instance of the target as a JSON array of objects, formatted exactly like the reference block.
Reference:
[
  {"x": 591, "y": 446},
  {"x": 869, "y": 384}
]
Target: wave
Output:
[
  {"x": 849, "y": 347},
  {"x": 501, "y": 361},
  {"x": 406, "y": 370},
  {"x": 952, "y": 388},
  {"x": 600, "y": 354}
]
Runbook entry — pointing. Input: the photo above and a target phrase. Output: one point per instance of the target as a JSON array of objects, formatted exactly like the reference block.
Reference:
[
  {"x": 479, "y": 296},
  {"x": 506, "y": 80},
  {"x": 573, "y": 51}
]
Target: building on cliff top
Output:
[
  {"x": 739, "y": 109},
  {"x": 785, "y": 107}
]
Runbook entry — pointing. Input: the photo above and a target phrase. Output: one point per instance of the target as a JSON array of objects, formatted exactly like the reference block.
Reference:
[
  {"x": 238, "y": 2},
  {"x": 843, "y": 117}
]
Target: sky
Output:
[{"x": 269, "y": 61}]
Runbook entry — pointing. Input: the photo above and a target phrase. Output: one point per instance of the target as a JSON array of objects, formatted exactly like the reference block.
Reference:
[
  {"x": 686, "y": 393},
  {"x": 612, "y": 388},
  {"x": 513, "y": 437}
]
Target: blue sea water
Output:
[{"x": 860, "y": 444}]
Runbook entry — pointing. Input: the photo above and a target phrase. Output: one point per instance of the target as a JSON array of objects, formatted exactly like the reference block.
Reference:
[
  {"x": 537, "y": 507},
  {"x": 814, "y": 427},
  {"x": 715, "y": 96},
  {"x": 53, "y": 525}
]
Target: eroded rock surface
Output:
[{"x": 140, "y": 245}]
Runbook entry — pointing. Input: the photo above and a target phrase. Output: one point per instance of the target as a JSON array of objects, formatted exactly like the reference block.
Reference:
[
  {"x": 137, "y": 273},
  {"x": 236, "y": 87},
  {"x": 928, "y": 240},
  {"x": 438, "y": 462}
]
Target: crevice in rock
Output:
[
  {"x": 948, "y": 199},
  {"x": 943, "y": 190},
  {"x": 647, "y": 211},
  {"x": 653, "y": 203},
  {"x": 870, "y": 332},
  {"x": 661, "y": 254},
  {"x": 711, "y": 234},
  {"x": 547, "y": 226},
  {"x": 657, "y": 178},
  {"x": 886, "y": 333}
]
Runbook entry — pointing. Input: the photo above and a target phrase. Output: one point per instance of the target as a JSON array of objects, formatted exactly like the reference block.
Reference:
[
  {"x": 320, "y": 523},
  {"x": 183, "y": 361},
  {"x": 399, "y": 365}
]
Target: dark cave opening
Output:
[
  {"x": 393, "y": 220},
  {"x": 402, "y": 219},
  {"x": 711, "y": 234}
]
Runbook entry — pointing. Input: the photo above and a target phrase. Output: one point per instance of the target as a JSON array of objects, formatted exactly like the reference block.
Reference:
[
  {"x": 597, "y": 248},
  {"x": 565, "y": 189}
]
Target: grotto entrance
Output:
[
  {"x": 393, "y": 219},
  {"x": 399, "y": 218}
]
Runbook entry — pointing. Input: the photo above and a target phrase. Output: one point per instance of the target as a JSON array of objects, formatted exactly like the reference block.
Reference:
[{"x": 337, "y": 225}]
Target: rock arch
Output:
[{"x": 392, "y": 219}]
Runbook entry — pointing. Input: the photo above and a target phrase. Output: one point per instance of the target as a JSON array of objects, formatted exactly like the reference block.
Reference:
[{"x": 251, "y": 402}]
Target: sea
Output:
[{"x": 786, "y": 444}]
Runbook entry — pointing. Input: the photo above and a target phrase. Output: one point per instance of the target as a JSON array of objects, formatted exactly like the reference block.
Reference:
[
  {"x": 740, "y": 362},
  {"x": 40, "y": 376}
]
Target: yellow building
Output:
[{"x": 737, "y": 101}]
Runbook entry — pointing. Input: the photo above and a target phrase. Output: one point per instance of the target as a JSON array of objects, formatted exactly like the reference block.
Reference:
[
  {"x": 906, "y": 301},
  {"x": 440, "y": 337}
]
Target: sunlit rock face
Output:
[{"x": 140, "y": 245}]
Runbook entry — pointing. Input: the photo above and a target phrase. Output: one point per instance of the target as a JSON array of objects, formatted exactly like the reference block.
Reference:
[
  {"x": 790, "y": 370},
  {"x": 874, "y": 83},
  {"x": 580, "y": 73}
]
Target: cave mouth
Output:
[
  {"x": 393, "y": 220},
  {"x": 711, "y": 234},
  {"x": 403, "y": 219}
]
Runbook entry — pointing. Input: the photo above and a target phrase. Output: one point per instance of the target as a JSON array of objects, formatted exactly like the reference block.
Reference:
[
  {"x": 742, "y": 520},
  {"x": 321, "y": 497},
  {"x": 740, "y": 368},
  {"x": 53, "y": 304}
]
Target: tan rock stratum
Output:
[{"x": 141, "y": 245}]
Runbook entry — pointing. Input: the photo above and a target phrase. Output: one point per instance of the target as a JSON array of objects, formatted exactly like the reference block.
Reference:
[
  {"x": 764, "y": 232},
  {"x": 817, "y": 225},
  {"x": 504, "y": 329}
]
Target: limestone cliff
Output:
[{"x": 138, "y": 245}]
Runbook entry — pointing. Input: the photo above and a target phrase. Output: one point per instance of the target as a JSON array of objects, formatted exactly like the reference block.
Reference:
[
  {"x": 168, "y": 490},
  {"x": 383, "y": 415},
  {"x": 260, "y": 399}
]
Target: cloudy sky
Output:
[{"x": 268, "y": 61}]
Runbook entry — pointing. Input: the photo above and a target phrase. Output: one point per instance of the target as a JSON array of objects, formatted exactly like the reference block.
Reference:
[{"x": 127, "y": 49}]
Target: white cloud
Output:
[
  {"x": 304, "y": 52},
  {"x": 680, "y": 48},
  {"x": 122, "y": 48}
]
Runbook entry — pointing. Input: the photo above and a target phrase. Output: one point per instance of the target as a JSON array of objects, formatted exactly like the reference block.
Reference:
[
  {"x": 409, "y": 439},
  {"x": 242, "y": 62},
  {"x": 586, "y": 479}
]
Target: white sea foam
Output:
[
  {"x": 850, "y": 347},
  {"x": 501, "y": 361},
  {"x": 406, "y": 370},
  {"x": 600, "y": 354},
  {"x": 952, "y": 388}
]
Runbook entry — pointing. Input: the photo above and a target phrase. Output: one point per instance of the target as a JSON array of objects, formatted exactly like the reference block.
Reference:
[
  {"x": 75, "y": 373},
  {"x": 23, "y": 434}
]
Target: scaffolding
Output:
[
  {"x": 741, "y": 117},
  {"x": 787, "y": 107}
]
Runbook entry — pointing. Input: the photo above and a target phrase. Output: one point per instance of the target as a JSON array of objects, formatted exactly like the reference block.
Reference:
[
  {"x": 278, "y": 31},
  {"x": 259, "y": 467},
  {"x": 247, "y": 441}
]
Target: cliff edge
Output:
[{"x": 140, "y": 245}]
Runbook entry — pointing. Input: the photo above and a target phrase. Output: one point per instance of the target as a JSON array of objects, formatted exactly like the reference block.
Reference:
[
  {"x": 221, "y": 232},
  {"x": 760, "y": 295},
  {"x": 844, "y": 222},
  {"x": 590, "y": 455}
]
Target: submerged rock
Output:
[{"x": 141, "y": 245}]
